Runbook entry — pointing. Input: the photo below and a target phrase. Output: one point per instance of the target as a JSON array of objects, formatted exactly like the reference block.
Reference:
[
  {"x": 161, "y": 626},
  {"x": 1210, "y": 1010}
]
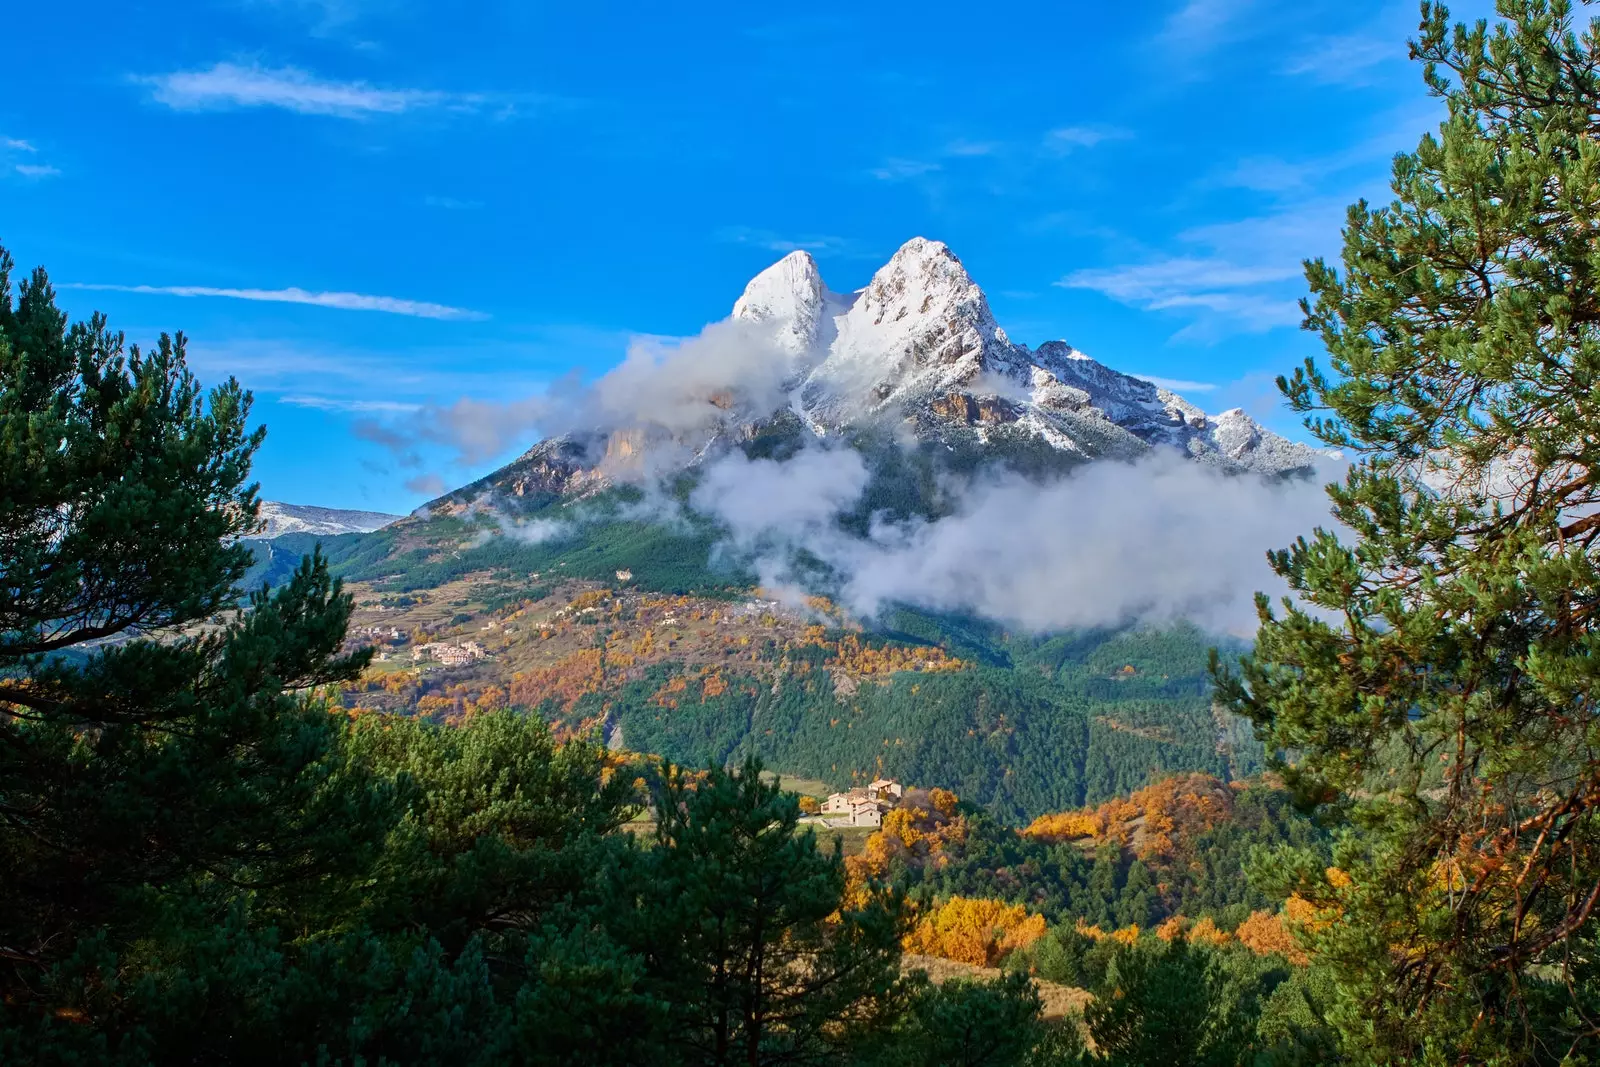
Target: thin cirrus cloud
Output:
[
  {"x": 1243, "y": 276},
  {"x": 965, "y": 152},
  {"x": 1220, "y": 296},
  {"x": 1345, "y": 60},
  {"x": 816, "y": 243},
  {"x": 228, "y": 86},
  {"x": 1178, "y": 385},
  {"x": 900, "y": 170},
  {"x": 1201, "y": 25},
  {"x": 1067, "y": 138},
  {"x": 429, "y": 485},
  {"x": 420, "y": 309},
  {"x": 334, "y": 403}
]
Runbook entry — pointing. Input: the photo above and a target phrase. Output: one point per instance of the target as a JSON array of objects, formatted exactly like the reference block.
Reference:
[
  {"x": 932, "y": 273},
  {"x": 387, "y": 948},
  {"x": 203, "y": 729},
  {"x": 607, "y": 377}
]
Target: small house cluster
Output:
[
  {"x": 391, "y": 634},
  {"x": 451, "y": 655},
  {"x": 864, "y": 805}
]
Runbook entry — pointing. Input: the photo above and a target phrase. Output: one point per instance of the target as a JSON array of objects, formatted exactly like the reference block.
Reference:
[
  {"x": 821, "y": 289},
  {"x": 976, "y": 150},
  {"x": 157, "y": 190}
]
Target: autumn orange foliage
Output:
[
  {"x": 977, "y": 931},
  {"x": 1206, "y": 932},
  {"x": 579, "y": 674},
  {"x": 1127, "y": 935},
  {"x": 1175, "y": 927},
  {"x": 1265, "y": 934},
  {"x": 1158, "y": 820}
]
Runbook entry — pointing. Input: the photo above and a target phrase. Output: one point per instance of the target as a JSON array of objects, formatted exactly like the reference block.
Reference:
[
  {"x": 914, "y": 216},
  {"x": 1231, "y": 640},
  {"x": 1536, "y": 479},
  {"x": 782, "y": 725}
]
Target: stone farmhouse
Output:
[{"x": 864, "y": 805}]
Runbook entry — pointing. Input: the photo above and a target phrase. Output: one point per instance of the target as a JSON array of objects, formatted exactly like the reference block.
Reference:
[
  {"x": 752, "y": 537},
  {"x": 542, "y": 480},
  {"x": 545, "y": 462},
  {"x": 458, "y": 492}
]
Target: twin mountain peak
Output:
[{"x": 917, "y": 352}]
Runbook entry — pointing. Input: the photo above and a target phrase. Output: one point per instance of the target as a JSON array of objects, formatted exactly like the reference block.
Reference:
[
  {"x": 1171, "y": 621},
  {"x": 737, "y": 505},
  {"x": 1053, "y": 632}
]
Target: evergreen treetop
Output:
[{"x": 1437, "y": 679}]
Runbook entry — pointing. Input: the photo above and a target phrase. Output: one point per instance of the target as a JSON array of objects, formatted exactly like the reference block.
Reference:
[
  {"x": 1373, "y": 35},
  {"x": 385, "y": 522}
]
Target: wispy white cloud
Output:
[
  {"x": 450, "y": 203},
  {"x": 1269, "y": 174},
  {"x": 334, "y": 403},
  {"x": 963, "y": 147},
  {"x": 988, "y": 159},
  {"x": 1241, "y": 280},
  {"x": 421, "y": 309},
  {"x": 1159, "y": 281},
  {"x": 226, "y": 86},
  {"x": 11, "y": 148},
  {"x": 899, "y": 170},
  {"x": 323, "y": 18},
  {"x": 1226, "y": 297},
  {"x": 1200, "y": 25},
  {"x": 1065, "y": 139},
  {"x": 343, "y": 378},
  {"x": 1178, "y": 385},
  {"x": 429, "y": 485},
  {"x": 1346, "y": 59},
  {"x": 820, "y": 244}
]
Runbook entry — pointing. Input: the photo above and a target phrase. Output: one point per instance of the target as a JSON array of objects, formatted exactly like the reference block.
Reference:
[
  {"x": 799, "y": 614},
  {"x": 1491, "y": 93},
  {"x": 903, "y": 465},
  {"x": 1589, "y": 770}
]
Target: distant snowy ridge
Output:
[{"x": 281, "y": 518}]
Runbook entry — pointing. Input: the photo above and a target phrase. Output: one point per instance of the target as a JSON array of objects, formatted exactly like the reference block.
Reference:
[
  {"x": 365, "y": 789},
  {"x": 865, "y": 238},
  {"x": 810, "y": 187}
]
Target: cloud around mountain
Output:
[
  {"x": 1150, "y": 509},
  {"x": 1152, "y": 541}
]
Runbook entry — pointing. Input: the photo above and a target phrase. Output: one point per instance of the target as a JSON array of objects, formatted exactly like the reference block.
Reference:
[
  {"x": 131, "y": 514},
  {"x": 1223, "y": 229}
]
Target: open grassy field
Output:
[
  {"x": 852, "y": 838},
  {"x": 806, "y": 787}
]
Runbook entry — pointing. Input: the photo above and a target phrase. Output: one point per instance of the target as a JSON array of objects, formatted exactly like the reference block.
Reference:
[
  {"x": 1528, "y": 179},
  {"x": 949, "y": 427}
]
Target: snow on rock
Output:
[
  {"x": 920, "y": 340},
  {"x": 920, "y": 327},
  {"x": 790, "y": 296}
]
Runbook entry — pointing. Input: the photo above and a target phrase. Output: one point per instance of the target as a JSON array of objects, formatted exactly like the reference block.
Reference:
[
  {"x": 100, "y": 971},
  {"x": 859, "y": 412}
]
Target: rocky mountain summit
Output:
[
  {"x": 920, "y": 341},
  {"x": 917, "y": 351}
]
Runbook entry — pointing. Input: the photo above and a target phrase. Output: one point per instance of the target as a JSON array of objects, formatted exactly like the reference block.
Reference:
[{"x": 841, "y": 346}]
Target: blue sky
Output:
[{"x": 360, "y": 206}]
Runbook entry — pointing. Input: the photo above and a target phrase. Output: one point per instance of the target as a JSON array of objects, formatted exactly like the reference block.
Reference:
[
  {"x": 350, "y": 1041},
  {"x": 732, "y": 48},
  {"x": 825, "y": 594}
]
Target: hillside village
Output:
[{"x": 862, "y": 806}]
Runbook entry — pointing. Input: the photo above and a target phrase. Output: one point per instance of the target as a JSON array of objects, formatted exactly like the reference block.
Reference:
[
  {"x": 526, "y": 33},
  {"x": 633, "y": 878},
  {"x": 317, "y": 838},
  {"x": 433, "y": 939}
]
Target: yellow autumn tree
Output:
[
  {"x": 1206, "y": 932},
  {"x": 975, "y": 930},
  {"x": 1265, "y": 934}
]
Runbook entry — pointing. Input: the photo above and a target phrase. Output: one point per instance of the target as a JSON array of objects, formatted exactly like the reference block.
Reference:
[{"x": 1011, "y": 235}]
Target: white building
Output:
[{"x": 863, "y": 806}]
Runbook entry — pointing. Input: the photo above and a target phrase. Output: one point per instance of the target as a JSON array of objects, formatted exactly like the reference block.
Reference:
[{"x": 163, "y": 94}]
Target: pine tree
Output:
[
  {"x": 151, "y": 781},
  {"x": 970, "y": 1023},
  {"x": 1171, "y": 1002},
  {"x": 740, "y": 918},
  {"x": 1134, "y": 904},
  {"x": 1437, "y": 685}
]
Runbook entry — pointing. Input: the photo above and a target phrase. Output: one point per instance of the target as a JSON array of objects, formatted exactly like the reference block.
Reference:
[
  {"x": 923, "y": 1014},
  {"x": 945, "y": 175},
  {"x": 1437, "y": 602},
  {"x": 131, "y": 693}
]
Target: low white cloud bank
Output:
[
  {"x": 671, "y": 394},
  {"x": 766, "y": 502},
  {"x": 1152, "y": 541}
]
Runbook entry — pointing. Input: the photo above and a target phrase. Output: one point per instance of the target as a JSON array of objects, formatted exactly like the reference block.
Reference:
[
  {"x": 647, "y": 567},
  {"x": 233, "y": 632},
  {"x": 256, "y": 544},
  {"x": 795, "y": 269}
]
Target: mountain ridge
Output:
[{"x": 281, "y": 518}]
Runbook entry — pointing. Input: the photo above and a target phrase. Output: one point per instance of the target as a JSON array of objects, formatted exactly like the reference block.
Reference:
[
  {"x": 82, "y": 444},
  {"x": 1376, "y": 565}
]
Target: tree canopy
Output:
[{"x": 1436, "y": 680}]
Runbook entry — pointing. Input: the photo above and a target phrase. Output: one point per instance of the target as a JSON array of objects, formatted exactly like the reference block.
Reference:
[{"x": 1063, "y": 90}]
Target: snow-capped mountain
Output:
[
  {"x": 917, "y": 350},
  {"x": 283, "y": 518},
  {"x": 920, "y": 341}
]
